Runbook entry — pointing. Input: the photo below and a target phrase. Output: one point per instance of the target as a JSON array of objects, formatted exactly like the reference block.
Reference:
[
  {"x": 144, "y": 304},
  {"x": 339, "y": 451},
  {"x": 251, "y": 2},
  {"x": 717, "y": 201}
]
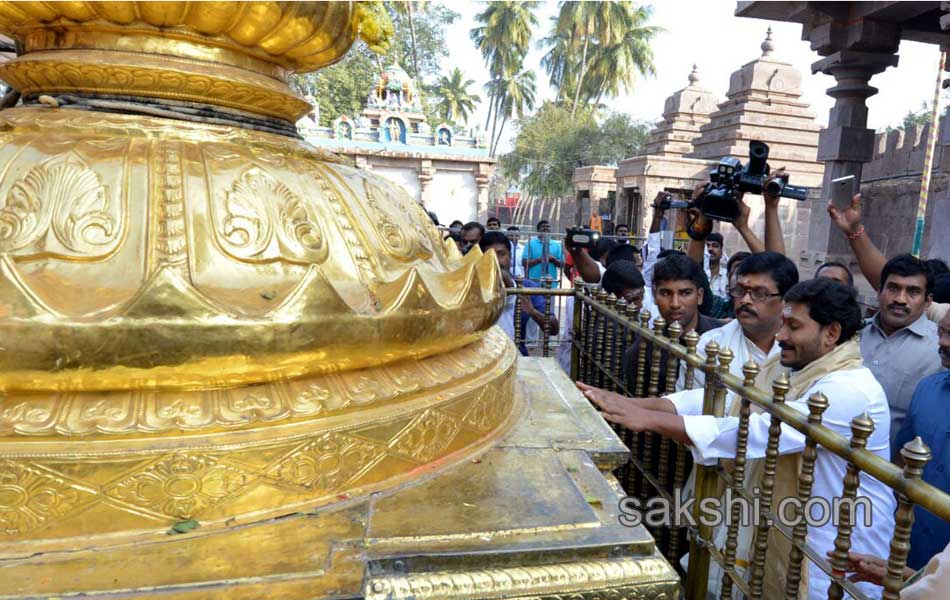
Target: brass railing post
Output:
[
  {"x": 750, "y": 370},
  {"x": 519, "y": 334},
  {"x": 653, "y": 390},
  {"x": 599, "y": 334},
  {"x": 590, "y": 321},
  {"x": 545, "y": 336},
  {"x": 817, "y": 404},
  {"x": 610, "y": 334},
  {"x": 697, "y": 572},
  {"x": 916, "y": 455},
  {"x": 619, "y": 344},
  {"x": 576, "y": 339},
  {"x": 642, "y": 356},
  {"x": 679, "y": 460},
  {"x": 631, "y": 439},
  {"x": 779, "y": 389},
  {"x": 861, "y": 429},
  {"x": 691, "y": 339}
]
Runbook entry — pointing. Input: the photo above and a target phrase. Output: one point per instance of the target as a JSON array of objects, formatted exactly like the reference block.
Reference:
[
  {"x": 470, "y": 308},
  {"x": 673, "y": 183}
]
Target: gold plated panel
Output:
[
  {"x": 72, "y": 485},
  {"x": 219, "y": 257},
  {"x": 482, "y": 529}
]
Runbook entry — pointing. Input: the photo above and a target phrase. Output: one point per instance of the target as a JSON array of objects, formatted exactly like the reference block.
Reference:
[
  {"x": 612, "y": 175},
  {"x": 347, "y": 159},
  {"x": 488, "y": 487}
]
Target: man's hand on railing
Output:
[{"x": 873, "y": 569}]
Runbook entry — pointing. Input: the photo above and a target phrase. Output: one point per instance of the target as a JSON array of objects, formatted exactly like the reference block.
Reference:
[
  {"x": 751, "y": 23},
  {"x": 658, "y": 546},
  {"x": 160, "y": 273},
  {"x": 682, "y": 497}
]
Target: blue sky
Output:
[{"x": 706, "y": 33}]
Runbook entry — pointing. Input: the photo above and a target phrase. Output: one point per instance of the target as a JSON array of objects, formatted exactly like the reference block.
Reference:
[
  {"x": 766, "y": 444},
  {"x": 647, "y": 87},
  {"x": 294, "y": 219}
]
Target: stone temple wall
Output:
[{"x": 890, "y": 191}]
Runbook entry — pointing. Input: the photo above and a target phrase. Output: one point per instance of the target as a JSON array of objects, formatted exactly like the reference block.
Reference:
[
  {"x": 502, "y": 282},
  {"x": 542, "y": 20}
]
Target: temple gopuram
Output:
[{"x": 448, "y": 171}]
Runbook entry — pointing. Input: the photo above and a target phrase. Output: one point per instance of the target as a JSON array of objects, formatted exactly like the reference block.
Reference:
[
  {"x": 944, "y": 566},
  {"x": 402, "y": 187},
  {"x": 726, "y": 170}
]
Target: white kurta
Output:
[
  {"x": 729, "y": 336},
  {"x": 849, "y": 394}
]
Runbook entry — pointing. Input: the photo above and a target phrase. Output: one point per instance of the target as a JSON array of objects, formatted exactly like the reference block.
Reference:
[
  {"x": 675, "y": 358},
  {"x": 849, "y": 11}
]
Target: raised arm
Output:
[
  {"x": 870, "y": 259},
  {"x": 584, "y": 265},
  {"x": 696, "y": 249},
  {"x": 742, "y": 226},
  {"x": 774, "y": 241}
]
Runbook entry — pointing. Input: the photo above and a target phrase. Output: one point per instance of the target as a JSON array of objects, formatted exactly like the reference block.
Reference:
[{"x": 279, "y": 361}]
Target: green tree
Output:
[
  {"x": 595, "y": 49},
  {"x": 455, "y": 103},
  {"x": 504, "y": 37},
  {"x": 515, "y": 98},
  {"x": 550, "y": 144},
  {"x": 342, "y": 88}
]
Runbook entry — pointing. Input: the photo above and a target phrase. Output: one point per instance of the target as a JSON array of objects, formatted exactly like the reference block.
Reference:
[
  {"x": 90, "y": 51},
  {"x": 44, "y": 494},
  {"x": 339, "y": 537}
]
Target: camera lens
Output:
[{"x": 774, "y": 187}]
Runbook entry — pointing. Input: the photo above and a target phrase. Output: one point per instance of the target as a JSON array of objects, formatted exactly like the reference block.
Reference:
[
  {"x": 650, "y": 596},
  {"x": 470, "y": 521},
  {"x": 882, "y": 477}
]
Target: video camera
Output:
[
  {"x": 578, "y": 237},
  {"x": 730, "y": 179}
]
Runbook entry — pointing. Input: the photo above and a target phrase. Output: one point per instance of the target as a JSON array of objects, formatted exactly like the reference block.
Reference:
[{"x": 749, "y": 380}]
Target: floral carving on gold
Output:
[
  {"x": 262, "y": 220},
  {"x": 327, "y": 462},
  {"x": 30, "y": 496},
  {"x": 59, "y": 207},
  {"x": 180, "y": 485}
]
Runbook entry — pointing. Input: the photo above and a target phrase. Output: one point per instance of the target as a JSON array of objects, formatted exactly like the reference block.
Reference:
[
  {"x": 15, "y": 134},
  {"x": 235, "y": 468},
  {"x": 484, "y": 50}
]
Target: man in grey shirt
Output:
[{"x": 897, "y": 345}]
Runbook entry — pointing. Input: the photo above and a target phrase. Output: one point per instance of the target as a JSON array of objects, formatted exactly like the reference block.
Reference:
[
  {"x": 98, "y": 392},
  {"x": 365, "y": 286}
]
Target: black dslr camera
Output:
[
  {"x": 730, "y": 179},
  {"x": 578, "y": 237}
]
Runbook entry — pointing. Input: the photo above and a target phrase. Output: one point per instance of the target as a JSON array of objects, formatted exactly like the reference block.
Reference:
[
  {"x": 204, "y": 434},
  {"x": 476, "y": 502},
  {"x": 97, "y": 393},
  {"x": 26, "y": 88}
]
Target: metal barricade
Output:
[{"x": 613, "y": 347}]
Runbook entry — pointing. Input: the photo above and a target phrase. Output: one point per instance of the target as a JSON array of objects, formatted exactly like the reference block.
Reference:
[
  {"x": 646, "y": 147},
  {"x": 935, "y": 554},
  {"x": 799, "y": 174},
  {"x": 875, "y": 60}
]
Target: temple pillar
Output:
[
  {"x": 425, "y": 173},
  {"x": 854, "y": 52},
  {"x": 482, "y": 179}
]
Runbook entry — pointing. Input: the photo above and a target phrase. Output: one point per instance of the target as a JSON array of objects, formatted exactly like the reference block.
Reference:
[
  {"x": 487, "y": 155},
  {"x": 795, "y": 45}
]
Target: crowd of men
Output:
[{"x": 891, "y": 366}]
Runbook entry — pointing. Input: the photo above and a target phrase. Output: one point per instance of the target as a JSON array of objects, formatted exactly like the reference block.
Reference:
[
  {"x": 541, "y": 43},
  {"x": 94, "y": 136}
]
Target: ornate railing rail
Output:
[{"x": 606, "y": 353}]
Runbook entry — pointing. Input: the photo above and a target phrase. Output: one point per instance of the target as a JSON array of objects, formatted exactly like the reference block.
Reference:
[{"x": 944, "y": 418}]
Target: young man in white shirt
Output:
[
  {"x": 715, "y": 265},
  {"x": 818, "y": 343}
]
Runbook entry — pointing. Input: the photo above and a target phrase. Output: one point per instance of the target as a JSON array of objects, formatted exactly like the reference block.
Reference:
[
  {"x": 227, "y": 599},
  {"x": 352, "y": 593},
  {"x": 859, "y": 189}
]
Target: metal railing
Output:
[{"x": 614, "y": 348}]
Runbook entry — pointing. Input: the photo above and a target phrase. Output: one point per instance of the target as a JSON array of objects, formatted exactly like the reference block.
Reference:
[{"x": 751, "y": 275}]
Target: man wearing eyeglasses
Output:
[{"x": 761, "y": 281}]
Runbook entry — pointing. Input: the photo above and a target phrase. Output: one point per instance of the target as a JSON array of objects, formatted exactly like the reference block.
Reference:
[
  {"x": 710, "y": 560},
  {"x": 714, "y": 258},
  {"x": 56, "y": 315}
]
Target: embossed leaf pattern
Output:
[
  {"x": 63, "y": 194},
  {"x": 300, "y": 234},
  {"x": 259, "y": 208},
  {"x": 247, "y": 227}
]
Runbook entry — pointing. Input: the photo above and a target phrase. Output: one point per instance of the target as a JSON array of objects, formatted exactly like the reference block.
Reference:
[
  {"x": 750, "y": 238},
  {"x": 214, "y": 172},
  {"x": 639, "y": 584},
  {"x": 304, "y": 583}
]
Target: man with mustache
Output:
[
  {"x": 761, "y": 281},
  {"x": 897, "y": 345},
  {"x": 820, "y": 322}
]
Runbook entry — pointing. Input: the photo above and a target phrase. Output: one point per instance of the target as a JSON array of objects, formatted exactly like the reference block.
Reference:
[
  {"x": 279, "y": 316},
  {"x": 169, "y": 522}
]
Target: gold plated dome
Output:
[
  {"x": 202, "y": 321},
  {"x": 230, "y": 54}
]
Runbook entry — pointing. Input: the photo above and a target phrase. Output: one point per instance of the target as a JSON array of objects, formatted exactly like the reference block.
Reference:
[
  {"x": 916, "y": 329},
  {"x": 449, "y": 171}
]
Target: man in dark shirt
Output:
[{"x": 929, "y": 417}]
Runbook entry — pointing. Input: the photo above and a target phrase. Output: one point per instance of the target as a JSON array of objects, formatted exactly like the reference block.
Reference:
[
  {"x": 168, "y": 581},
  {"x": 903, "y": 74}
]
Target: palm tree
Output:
[
  {"x": 596, "y": 48},
  {"x": 516, "y": 98},
  {"x": 503, "y": 38},
  {"x": 614, "y": 66},
  {"x": 409, "y": 7},
  {"x": 456, "y": 103}
]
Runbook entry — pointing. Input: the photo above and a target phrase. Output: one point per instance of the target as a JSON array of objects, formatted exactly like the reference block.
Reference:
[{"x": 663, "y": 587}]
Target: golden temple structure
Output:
[{"x": 233, "y": 366}]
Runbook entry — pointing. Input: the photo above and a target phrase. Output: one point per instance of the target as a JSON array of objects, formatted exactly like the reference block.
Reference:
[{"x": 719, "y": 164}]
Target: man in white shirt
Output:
[
  {"x": 715, "y": 265},
  {"x": 817, "y": 340},
  {"x": 516, "y": 251}
]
